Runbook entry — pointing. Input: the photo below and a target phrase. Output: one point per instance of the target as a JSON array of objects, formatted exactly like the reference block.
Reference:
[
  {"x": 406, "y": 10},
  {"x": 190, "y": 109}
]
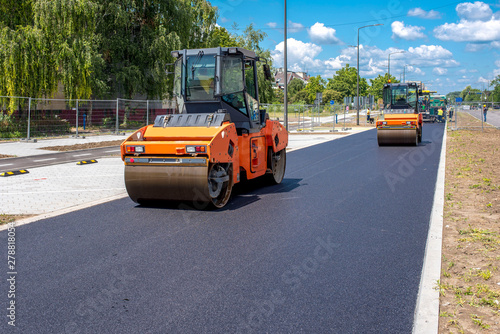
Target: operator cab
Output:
[
  {"x": 219, "y": 80},
  {"x": 400, "y": 98}
]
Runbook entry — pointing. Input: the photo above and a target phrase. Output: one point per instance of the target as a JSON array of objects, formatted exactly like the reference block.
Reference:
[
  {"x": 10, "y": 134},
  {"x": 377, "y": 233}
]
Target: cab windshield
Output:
[
  {"x": 399, "y": 96},
  {"x": 200, "y": 78}
]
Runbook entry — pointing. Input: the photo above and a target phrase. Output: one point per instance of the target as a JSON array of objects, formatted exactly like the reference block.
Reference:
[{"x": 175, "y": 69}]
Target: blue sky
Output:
[{"x": 448, "y": 45}]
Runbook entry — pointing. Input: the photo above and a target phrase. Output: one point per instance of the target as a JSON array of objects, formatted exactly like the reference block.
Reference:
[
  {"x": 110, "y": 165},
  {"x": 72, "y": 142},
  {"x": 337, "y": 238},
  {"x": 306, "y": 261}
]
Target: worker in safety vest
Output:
[
  {"x": 440, "y": 115},
  {"x": 368, "y": 115}
]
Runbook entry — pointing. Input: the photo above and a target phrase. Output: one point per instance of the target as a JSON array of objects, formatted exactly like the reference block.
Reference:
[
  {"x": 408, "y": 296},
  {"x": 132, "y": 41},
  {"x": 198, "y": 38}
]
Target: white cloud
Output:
[
  {"x": 294, "y": 27},
  {"x": 299, "y": 54},
  {"x": 474, "y": 11},
  {"x": 477, "y": 24},
  {"x": 497, "y": 63},
  {"x": 419, "y": 12},
  {"x": 224, "y": 20},
  {"x": 483, "y": 80},
  {"x": 419, "y": 71},
  {"x": 322, "y": 35},
  {"x": 399, "y": 30},
  {"x": 272, "y": 24},
  {"x": 439, "y": 71},
  {"x": 373, "y": 61},
  {"x": 469, "y": 31}
]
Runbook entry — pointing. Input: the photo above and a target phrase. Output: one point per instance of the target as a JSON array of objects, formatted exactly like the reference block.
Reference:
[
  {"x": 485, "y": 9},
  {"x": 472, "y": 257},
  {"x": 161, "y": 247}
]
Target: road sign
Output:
[
  {"x": 458, "y": 99},
  {"x": 332, "y": 102}
]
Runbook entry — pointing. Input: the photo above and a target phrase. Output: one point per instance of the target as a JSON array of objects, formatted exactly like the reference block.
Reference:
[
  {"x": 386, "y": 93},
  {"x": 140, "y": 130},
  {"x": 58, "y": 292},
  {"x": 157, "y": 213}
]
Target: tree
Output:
[
  {"x": 451, "y": 96},
  {"x": 301, "y": 97},
  {"x": 42, "y": 45},
  {"x": 219, "y": 36},
  {"x": 330, "y": 94},
  {"x": 295, "y": 86},
  {"x": 496, "y": 89},
  {"x": 315, "y": 85},
  {"x": 377, "y": 84},
  {"x": 136, "y": 38},
  {"x": 470, "y": 94},
  {"x": 345, "y": 82}
]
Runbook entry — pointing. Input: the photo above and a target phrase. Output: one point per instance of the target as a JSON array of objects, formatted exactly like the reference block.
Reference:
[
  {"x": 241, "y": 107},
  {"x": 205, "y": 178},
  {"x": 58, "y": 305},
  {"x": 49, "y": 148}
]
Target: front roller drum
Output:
[
  {"x": 201, "y": 184},
  {"x": 397, "y": 137}
]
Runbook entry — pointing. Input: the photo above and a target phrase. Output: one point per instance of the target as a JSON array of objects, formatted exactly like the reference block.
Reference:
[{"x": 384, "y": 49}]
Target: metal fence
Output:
[
  {"x": 35, "y": 117},
  {"x": 38, "y": 118},
  {"x": 469, "y": 116},
  {"x": 305, "y": 118}
]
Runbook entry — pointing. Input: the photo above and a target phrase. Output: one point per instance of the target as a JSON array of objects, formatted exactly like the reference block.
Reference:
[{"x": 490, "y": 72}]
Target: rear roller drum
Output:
[
  {"x": 277, "y": 165},
  {"x": 220, "y": 184}
]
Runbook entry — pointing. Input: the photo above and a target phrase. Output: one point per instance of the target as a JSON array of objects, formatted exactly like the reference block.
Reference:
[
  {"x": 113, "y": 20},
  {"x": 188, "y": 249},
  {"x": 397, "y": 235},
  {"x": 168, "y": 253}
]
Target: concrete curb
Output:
[{"x": 426, "y": 319}]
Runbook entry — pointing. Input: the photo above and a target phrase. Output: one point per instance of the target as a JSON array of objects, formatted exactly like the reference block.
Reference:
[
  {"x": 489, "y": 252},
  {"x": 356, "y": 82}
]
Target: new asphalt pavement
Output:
[{"x": 336, "y": 248}]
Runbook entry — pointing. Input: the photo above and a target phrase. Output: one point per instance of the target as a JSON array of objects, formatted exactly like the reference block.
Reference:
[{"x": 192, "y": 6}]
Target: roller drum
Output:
[
  {"x": 397, "y": 137},
  {"x": 170, "y": 183}
]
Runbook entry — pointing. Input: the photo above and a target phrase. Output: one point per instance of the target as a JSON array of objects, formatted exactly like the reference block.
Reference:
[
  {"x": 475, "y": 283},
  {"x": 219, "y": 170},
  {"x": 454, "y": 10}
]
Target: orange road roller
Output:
[
  {"x": 402, "y": 122},
  {"x": 218, "y": 138}
]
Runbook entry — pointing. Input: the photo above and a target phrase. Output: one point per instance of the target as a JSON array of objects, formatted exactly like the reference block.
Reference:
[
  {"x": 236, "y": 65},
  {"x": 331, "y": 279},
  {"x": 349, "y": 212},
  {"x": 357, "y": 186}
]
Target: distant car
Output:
[{"x": 496, "y": 107}]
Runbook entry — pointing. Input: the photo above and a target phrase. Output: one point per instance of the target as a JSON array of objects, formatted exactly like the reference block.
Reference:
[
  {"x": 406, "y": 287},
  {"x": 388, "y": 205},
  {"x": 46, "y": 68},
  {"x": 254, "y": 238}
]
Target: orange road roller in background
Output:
[
  {"x": 402, "y": 122},
  {"x": 218, "y": 138}
]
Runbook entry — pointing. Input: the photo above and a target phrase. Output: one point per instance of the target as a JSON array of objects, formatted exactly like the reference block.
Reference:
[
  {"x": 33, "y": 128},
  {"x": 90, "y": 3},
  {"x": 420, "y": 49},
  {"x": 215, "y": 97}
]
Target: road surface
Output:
[{"x": 336, "y": 248}]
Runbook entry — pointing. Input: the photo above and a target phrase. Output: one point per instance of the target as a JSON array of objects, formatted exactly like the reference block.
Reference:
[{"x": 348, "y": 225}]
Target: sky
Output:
[{"x": 447, "y": 45}]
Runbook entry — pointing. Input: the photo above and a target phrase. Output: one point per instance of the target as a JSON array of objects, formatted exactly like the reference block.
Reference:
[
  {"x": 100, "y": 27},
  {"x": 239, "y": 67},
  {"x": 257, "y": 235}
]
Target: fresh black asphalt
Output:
[
  {"x": 336, "y": 248},
  {"x": 48, "y": 159}
]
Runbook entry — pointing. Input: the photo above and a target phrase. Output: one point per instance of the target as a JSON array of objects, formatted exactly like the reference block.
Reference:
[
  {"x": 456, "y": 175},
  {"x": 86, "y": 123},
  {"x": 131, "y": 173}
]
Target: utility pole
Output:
[{"x": 285, "y": 65}]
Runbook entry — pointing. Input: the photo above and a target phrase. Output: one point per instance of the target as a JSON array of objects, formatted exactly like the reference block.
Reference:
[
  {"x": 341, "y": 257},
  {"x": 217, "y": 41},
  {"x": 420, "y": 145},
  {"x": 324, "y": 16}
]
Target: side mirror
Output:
[{"x": 267, "y": 72}]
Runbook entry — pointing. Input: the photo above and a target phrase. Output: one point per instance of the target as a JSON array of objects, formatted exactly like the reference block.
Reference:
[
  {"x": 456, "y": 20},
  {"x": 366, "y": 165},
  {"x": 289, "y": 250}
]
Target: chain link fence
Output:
[
  {"x": 470, "y": 116},
  {"x": 34, "y": 117}
]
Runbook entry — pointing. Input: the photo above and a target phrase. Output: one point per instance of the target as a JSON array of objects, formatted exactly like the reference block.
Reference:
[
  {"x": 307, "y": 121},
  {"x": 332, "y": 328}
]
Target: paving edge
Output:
[
  {"x": 426, "y": 318},
  {"x": 65, "y": 210}
]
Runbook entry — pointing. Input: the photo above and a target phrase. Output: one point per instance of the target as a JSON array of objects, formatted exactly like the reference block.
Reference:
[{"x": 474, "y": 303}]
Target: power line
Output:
[{"x": 353, "y": 23}]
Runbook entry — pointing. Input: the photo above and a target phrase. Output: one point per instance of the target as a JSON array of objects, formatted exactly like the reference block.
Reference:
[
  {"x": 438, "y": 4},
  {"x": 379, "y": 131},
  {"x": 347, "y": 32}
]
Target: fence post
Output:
[
  {"x": 76, "y": 135},
  {"x": 29, "y": 117},
  {"x": 147, "y": 112},
  {"x": 117, "y": 116}
]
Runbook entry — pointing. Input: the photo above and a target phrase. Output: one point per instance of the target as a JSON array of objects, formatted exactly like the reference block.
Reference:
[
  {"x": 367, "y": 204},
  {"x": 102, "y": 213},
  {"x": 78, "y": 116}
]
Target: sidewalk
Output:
[
  {"x": 23, "y": 148},
  {"x": 69, "y": 186}
]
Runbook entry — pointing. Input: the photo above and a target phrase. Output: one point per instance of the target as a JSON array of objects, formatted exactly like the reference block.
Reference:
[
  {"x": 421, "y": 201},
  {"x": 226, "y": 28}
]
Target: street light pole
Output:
[
  {"x": 389, "y": 63},
  {"x": 357, "y": 72},
  {"x": 404, "y": 71}
]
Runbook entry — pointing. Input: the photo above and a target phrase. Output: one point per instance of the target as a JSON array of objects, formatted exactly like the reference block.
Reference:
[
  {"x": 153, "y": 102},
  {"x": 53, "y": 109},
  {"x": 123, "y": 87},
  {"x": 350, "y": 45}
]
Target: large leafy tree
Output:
[
  {"x": 46, "y": 42},
  {"x": 96, "y": 47},
  {"x": 219, "y": 36},
  {"x": 345, "y": 82},
  {"x": 137, "y": 37},
  {"x": 251, "y": 39},
  {"x": 377, "y": 84},
  {"x": 315, "y": 85}
]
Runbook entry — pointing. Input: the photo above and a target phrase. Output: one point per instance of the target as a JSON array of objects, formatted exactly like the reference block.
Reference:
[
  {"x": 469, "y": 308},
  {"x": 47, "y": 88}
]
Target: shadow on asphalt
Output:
[{"x": 243, "y": 194}]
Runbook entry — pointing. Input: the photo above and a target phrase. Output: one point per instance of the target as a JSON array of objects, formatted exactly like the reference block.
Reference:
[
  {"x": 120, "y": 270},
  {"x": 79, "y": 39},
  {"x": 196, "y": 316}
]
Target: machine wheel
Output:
[
  {"x": 220, "y": 184},
  {"x": 420, "y": 135},
  {"x": 277, "y": 165}
]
